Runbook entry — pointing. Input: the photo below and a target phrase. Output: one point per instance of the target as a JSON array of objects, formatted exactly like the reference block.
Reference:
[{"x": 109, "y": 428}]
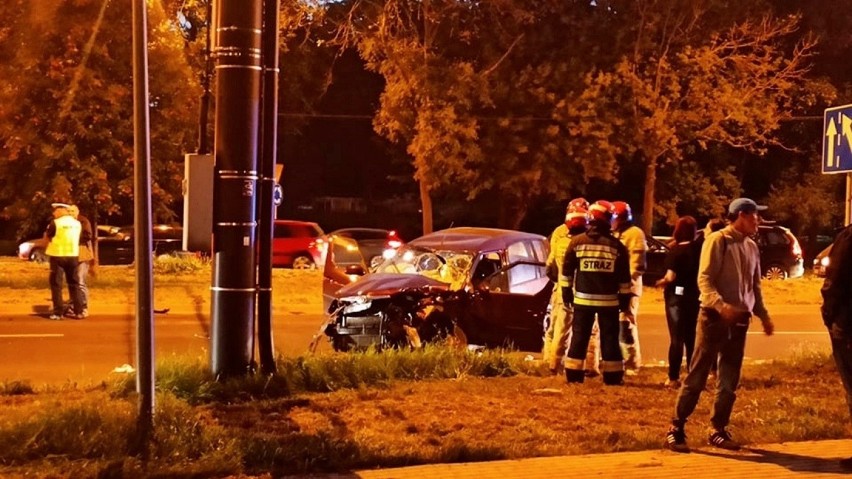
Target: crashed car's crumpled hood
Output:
[{"x": 380, "y": 284}]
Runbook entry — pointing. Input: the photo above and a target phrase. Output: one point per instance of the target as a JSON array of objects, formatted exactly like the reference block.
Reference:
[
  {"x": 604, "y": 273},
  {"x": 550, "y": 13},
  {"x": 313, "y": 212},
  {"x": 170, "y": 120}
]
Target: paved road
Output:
[{"x": 56, "y": 352}]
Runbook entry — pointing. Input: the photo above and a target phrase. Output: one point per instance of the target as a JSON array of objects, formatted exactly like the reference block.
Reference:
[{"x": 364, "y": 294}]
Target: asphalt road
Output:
[{"x": 86, "y": 351}]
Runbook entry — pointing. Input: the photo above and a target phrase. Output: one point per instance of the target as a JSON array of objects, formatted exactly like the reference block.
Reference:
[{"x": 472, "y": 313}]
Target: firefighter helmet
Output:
[
  {"x": 577, "y": 219},
  {"x": 622, "y": 210},
  {"x": 578, "y": 204},
  {"x": 602, "y": 211}
]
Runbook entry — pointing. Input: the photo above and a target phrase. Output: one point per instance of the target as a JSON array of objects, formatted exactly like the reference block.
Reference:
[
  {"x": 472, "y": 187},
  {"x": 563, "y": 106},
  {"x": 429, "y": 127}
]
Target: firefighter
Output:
[
  {"x": 633, "y": 239},
  {"x": 559, "y": 328},
  {"x": 596, "y": 281}
]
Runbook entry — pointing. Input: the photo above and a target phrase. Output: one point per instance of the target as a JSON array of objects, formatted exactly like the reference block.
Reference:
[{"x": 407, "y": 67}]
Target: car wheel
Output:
[
  {"x": 303, "y": 262},
  {"x": 38, "y": 255},
  {"x": 775, "y": 272}
]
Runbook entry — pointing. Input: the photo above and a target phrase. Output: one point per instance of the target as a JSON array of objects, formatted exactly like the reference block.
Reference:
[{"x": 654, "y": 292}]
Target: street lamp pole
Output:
[{"x": 204, "y": 108}]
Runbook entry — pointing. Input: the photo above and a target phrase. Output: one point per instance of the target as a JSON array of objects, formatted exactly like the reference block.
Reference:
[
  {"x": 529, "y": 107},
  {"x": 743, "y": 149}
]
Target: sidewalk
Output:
[{"x": 811, "y": 459}]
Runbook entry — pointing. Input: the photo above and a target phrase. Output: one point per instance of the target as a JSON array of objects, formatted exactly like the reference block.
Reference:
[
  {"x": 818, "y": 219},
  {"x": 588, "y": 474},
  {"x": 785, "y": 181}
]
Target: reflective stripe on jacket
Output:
[
  {"x": 597, "y": 268},
  {"x": 66, "y": 237}
]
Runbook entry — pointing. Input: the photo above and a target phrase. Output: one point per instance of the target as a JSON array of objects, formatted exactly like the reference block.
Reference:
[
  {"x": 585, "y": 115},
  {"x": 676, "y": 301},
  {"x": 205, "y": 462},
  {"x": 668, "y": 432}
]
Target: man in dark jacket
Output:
[{"x": 837, "y": 311}]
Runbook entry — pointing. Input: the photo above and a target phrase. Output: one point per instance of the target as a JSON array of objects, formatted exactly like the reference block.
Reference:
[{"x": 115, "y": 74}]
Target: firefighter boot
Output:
[
  {"x": 574, "y": 375},
  {"x": 613, "y": 378}
]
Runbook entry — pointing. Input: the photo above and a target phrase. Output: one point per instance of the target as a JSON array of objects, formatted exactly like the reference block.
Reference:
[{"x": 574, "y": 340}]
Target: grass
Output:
[{"x": 341, "y": 412}]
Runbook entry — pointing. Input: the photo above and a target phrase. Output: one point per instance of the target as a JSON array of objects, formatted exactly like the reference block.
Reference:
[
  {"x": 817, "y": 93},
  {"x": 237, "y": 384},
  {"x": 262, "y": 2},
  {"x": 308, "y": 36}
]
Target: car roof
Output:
[
  {"x": 473, "y": 239},
  {"x": 295, "y": 222}
]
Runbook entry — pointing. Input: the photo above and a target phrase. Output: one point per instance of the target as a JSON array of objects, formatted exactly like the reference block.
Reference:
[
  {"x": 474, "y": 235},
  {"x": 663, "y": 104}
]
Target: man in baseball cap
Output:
[{"x": 746, "y": 205}]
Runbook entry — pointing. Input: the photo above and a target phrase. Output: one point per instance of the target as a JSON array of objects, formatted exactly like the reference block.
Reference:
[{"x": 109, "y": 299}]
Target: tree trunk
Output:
[
  {"x": 512, "y": 212},
  {"x": 648, "y": 201},
  {"x": 426, "y": 207}
]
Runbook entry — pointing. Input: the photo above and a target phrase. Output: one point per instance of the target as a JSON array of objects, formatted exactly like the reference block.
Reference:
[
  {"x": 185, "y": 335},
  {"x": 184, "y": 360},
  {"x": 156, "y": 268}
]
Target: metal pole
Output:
[
  {"x": 204, "y": 108},
  {"x": 269, "y": 140},
  {"x": 847, "y": 218},
  {"x": 142, "y": 228},
  {"x": 237, "y": 55}
]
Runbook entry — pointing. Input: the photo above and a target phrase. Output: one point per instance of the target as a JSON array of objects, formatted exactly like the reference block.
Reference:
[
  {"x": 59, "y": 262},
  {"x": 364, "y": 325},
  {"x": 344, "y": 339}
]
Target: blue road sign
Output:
[{"x": 837, "y": 140}]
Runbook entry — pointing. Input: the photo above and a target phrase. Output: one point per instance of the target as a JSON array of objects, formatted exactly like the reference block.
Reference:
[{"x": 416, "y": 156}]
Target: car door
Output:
[{"x": 509, "y": 306}]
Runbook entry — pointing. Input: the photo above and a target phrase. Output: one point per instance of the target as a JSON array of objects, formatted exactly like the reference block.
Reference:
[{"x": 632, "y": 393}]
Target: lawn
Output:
[{"x": 339, "y": 412}]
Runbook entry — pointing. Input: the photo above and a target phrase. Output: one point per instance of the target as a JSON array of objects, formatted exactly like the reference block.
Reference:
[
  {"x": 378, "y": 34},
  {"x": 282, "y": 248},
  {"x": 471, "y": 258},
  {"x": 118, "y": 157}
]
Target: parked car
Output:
[
  {"x": 479, "y": 286},
  {"x": 297, "y": 244},
  {"x": 115, "y": 244},
  {"x": 780, "y": 253},
  {"x": 821, "y": 261},
  {"x": 33, "y": 250},
  {"x": 373, "y": 243}
]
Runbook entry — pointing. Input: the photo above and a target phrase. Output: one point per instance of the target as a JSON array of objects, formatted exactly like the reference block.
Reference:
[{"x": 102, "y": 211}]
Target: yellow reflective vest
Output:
[{"x": 66, "y": 238}]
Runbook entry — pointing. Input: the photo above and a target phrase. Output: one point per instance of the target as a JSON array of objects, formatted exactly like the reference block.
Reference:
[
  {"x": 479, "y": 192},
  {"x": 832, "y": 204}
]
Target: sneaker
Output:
[
  {"x": 83, "y": 314},
  {"x": 671, "y": 384},
  {"x": 720, "y": 438},
  {"x": 55, "y": 317},
  {"x": 676, "y": 440}
]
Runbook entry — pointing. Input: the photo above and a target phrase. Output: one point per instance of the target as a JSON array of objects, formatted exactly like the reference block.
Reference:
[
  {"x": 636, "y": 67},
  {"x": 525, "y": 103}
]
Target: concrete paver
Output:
[{"x": 811, "y": 459}]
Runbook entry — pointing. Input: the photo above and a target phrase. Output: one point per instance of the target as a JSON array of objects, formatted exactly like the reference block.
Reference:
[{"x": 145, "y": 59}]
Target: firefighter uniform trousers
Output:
[{"x": 612, "y": 365}]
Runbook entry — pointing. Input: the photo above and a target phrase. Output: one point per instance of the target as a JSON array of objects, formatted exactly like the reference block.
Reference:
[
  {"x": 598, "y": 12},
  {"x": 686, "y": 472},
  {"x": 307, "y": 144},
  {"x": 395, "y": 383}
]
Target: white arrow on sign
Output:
[{"x": 830, "y": 133}]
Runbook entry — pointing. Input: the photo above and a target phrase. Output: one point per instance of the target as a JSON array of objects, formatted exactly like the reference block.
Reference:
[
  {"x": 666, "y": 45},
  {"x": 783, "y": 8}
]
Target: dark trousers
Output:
[
  {"x": 66, "y": 267},
  {"x": 841, "y": 349},
  {"x": 612, "y": 364},
  {"x": 682, "y": 318},
  {"x": 716, "y": 339}
]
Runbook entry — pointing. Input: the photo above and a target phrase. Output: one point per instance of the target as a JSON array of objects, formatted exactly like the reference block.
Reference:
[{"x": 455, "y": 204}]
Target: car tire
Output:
[
  {"x": 775, "y": 272},
  {"x": 303, "y": 262},
  {"x": 38, "y": 255}
]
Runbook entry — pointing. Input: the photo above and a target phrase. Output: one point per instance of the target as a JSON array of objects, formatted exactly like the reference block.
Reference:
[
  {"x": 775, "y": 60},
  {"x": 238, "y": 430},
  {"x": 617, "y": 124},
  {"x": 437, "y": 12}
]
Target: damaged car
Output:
[{"x": 472, "y": 286}]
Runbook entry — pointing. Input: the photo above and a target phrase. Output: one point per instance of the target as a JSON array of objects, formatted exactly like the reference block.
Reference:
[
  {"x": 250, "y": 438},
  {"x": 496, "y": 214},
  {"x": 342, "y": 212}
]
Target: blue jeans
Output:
[
  {"x": 682, "y": 318},
  {"x": 82, "y": 272},
  {"x": 716, "y": 339},
  {"x": 64, "y": 267},
  {"x": 841, "y": 349}
]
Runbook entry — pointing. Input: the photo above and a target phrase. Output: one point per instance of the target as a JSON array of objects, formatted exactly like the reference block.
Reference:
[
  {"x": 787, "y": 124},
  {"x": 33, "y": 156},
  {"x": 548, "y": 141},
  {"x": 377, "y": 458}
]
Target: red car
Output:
[{"x": 297, "y": 244}]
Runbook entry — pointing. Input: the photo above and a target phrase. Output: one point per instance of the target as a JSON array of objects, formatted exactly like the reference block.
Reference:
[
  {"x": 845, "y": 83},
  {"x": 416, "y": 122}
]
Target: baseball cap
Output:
[
  {"x": 60, "y": 205},
  {"x": 744, "y": 204}
]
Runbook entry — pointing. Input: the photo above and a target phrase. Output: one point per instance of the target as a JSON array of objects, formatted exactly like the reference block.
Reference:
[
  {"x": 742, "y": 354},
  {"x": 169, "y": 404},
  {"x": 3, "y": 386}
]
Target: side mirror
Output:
[{"x": 355, "y": 269}]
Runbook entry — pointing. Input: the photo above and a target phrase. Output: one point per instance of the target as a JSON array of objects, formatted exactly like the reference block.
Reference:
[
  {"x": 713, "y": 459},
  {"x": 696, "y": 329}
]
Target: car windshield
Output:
[{"x": 446, "y": 266}]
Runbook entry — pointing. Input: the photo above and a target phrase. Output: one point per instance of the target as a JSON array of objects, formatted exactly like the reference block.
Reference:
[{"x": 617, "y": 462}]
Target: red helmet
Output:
[
  {"x": 578, "y": 204},
  {"x": 622, "y": 210},
  {"x": 577, "y": 219},
  {"x": 602, "y": 211}
]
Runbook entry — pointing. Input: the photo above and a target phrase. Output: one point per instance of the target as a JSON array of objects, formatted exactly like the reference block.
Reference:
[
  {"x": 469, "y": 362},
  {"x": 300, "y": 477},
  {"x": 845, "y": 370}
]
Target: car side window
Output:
[
  {"x": 281, "y": 231},
  {"x": 485, "y": 274},
  {"x": 525, "y": 278},
  {"x": 775, "y": 238}
]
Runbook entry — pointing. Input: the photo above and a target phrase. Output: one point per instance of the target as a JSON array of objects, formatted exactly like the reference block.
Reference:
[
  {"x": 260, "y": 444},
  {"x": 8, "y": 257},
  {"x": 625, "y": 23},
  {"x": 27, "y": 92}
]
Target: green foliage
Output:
[{"x": 67, "y": 128}]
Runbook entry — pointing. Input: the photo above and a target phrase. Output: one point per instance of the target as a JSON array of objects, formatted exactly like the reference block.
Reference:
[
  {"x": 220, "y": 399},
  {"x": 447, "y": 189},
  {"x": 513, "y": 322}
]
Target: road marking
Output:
[
  {"x": 32, "y": 335},
  {"x": 780, "y": 333}
]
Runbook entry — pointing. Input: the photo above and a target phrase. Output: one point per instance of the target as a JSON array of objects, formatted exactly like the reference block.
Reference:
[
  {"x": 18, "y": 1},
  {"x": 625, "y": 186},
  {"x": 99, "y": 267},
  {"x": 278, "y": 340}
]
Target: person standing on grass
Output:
[
  {"x": 596, "y": 282},
  {"x": 561, "y": 316},
  {"x": 729, "y": 287},
  {"x": 63, "y": 250},
  {"x": 681, "y": 295},
  {"x": 84, "y": 260},
  {"x": 837, "y": 312},
  {"x": 633, "y": 239}
]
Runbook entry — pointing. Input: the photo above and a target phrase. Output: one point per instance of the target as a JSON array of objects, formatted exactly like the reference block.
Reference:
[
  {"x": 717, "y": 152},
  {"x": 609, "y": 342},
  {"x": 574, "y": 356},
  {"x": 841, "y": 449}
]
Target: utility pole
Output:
[
  {"x": 269, "y": 140},
  {"x": 204, "y": 107},
  {"x": 237, "y": 54},
  {"x": 142, "y": 230}
]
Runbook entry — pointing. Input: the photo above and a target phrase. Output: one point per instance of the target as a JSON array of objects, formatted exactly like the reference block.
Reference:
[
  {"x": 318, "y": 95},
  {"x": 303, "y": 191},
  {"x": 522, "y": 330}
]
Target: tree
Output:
[
  {"x": 683, "y": 87},
  {"x": 66, "y": 125}
]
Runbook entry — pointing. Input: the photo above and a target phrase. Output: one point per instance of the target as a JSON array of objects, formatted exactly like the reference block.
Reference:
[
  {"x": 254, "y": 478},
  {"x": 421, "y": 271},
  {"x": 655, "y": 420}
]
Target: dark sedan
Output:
[
  {"x": 476, "y": 286},
  {"x": 115, "y": 244}
]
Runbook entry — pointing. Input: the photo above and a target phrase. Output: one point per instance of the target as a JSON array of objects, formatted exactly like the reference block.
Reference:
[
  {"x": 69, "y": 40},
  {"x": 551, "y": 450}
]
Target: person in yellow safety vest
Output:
[
  {"x": 63, "y": 251},
  {"x": 559, "y": 328},
  {"x": 84, "y": 261},
  {"x": 596, "y": 281},
  {"x": 634, "y": 239}
]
